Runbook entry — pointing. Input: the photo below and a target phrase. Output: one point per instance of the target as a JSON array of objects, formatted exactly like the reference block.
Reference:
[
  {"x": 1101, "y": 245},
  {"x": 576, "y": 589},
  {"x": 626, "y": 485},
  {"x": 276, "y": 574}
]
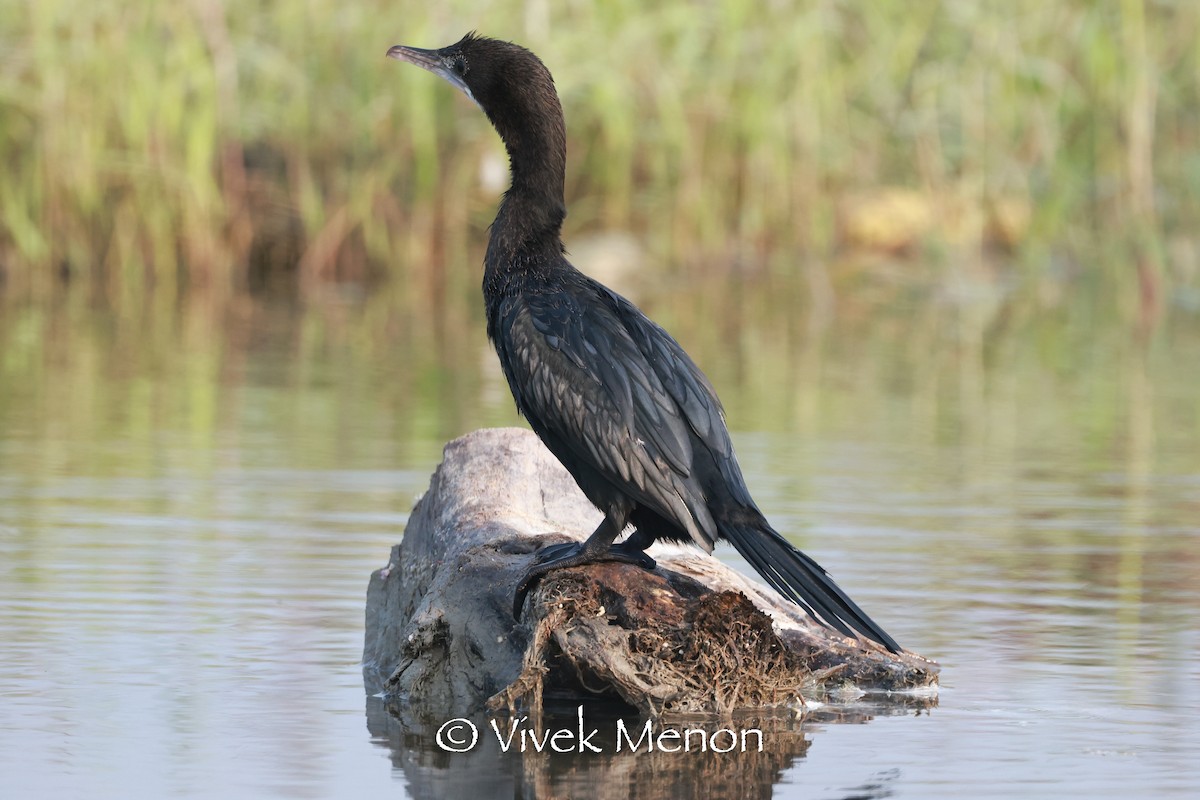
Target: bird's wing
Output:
[
  {"x": 691, "y": 390},
  {"x": 579, "y": 375}
]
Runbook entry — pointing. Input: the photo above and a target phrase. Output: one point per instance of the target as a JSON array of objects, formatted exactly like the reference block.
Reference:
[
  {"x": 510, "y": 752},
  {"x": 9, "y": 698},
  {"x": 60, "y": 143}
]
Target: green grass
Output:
[{"x": 150, "y": 147}]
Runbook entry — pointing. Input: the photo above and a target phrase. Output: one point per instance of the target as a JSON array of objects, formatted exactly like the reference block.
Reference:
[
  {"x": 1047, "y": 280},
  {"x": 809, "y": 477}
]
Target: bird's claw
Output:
[{"x": 572, "y": 554}]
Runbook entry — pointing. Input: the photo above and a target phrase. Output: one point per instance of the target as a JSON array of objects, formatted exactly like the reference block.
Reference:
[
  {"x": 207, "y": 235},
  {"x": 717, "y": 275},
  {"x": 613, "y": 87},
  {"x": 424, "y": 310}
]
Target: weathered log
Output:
[{"x": 691, "y": 636}]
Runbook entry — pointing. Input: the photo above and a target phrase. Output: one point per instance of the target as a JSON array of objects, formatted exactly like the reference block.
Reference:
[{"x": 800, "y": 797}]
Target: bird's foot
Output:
[{"x": 573, "y": 554}]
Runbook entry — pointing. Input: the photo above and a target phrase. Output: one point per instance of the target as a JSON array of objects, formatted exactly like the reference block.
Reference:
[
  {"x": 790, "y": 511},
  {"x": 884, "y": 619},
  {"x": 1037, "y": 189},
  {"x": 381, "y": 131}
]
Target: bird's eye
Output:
[{"x": 459, "y": 65}]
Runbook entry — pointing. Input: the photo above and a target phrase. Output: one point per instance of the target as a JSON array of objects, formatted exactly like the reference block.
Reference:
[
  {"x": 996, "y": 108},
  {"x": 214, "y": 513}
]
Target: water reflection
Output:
[
  {"x": 190, "y": 506},
  {"x": 625, "y": 755},
  {"x": 491, "y": 770}
]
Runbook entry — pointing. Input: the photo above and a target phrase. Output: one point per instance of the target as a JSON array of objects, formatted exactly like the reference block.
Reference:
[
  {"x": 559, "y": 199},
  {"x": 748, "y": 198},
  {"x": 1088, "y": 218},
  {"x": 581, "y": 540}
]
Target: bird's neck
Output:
[{"x": 529, "y": 221}]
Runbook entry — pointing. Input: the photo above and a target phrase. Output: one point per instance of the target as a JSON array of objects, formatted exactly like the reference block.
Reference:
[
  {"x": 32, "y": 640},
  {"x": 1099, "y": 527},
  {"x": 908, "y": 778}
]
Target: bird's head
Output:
[
  {"x": 502, "y": 78},
  {"x": 515, "y": 90}
]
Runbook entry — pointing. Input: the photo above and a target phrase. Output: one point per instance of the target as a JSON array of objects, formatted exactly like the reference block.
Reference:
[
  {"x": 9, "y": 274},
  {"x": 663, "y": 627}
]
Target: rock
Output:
[{"x": 691, "y": 636}]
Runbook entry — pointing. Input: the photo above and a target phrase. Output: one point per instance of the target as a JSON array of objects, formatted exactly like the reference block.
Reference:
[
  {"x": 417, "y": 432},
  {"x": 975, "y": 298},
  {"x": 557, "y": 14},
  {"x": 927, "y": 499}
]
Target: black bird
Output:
[{"x": 612, "y": 395}]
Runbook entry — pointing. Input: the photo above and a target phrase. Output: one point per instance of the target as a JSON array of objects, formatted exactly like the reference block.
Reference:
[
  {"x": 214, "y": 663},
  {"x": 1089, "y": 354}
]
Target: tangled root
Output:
[{"x": 661, "y": 643}]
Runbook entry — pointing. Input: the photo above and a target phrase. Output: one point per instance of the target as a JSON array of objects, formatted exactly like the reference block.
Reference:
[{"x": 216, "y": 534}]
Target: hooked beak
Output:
[{"x": 432, "y": 61}]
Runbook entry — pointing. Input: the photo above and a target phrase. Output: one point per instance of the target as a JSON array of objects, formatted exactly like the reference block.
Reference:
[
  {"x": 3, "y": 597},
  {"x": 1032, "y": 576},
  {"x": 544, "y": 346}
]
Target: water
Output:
[{"x": 187, "y": 526}]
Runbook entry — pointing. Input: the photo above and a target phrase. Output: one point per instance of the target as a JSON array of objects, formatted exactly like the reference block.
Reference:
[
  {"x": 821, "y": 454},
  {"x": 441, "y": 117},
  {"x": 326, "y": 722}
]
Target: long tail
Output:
[{"x": 802, "y": 580}]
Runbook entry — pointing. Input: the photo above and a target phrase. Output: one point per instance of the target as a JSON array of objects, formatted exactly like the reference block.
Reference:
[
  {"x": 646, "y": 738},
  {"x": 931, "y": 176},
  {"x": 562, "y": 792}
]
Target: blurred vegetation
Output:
[
  {"x": 927, "y": 227},
  {"x": 1051, "y": 149}
]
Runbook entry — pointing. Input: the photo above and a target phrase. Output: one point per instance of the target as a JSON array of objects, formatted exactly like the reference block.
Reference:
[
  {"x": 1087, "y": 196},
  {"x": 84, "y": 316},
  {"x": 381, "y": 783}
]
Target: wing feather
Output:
[
  {"x": 690, "y": 391},
  {"x": 576, "y": 370}
]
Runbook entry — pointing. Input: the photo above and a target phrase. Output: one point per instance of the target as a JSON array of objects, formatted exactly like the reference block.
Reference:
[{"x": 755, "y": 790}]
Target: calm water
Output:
[{"x": 188, "y": 520}]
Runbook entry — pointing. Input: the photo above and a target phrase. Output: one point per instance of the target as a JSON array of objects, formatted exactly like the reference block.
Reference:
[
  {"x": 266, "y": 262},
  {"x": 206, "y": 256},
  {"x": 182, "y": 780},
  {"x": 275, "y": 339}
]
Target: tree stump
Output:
[{"x": 692, "y": 636}]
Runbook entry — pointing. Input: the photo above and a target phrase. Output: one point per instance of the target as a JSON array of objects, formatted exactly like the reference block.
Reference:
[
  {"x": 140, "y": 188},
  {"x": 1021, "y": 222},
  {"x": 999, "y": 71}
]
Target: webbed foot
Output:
[{"x": 573, "y": 554}]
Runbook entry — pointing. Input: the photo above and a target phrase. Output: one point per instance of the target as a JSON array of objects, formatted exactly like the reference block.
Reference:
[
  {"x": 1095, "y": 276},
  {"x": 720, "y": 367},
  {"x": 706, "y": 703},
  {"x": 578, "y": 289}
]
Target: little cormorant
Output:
[{"x": 612, "y": 395}]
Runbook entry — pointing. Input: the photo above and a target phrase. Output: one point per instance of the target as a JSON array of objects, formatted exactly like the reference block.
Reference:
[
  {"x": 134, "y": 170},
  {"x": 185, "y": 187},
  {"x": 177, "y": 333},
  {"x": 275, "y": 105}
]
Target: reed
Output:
[{"x": 150, "y": 147}]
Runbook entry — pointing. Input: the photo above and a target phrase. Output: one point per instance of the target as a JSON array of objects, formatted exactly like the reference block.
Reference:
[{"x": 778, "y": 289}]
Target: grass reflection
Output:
[{"x": 905, "y": 370}]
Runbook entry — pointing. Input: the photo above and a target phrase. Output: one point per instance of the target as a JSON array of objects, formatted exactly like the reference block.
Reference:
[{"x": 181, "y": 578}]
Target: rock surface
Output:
[{"x": 691, "y": 636}]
